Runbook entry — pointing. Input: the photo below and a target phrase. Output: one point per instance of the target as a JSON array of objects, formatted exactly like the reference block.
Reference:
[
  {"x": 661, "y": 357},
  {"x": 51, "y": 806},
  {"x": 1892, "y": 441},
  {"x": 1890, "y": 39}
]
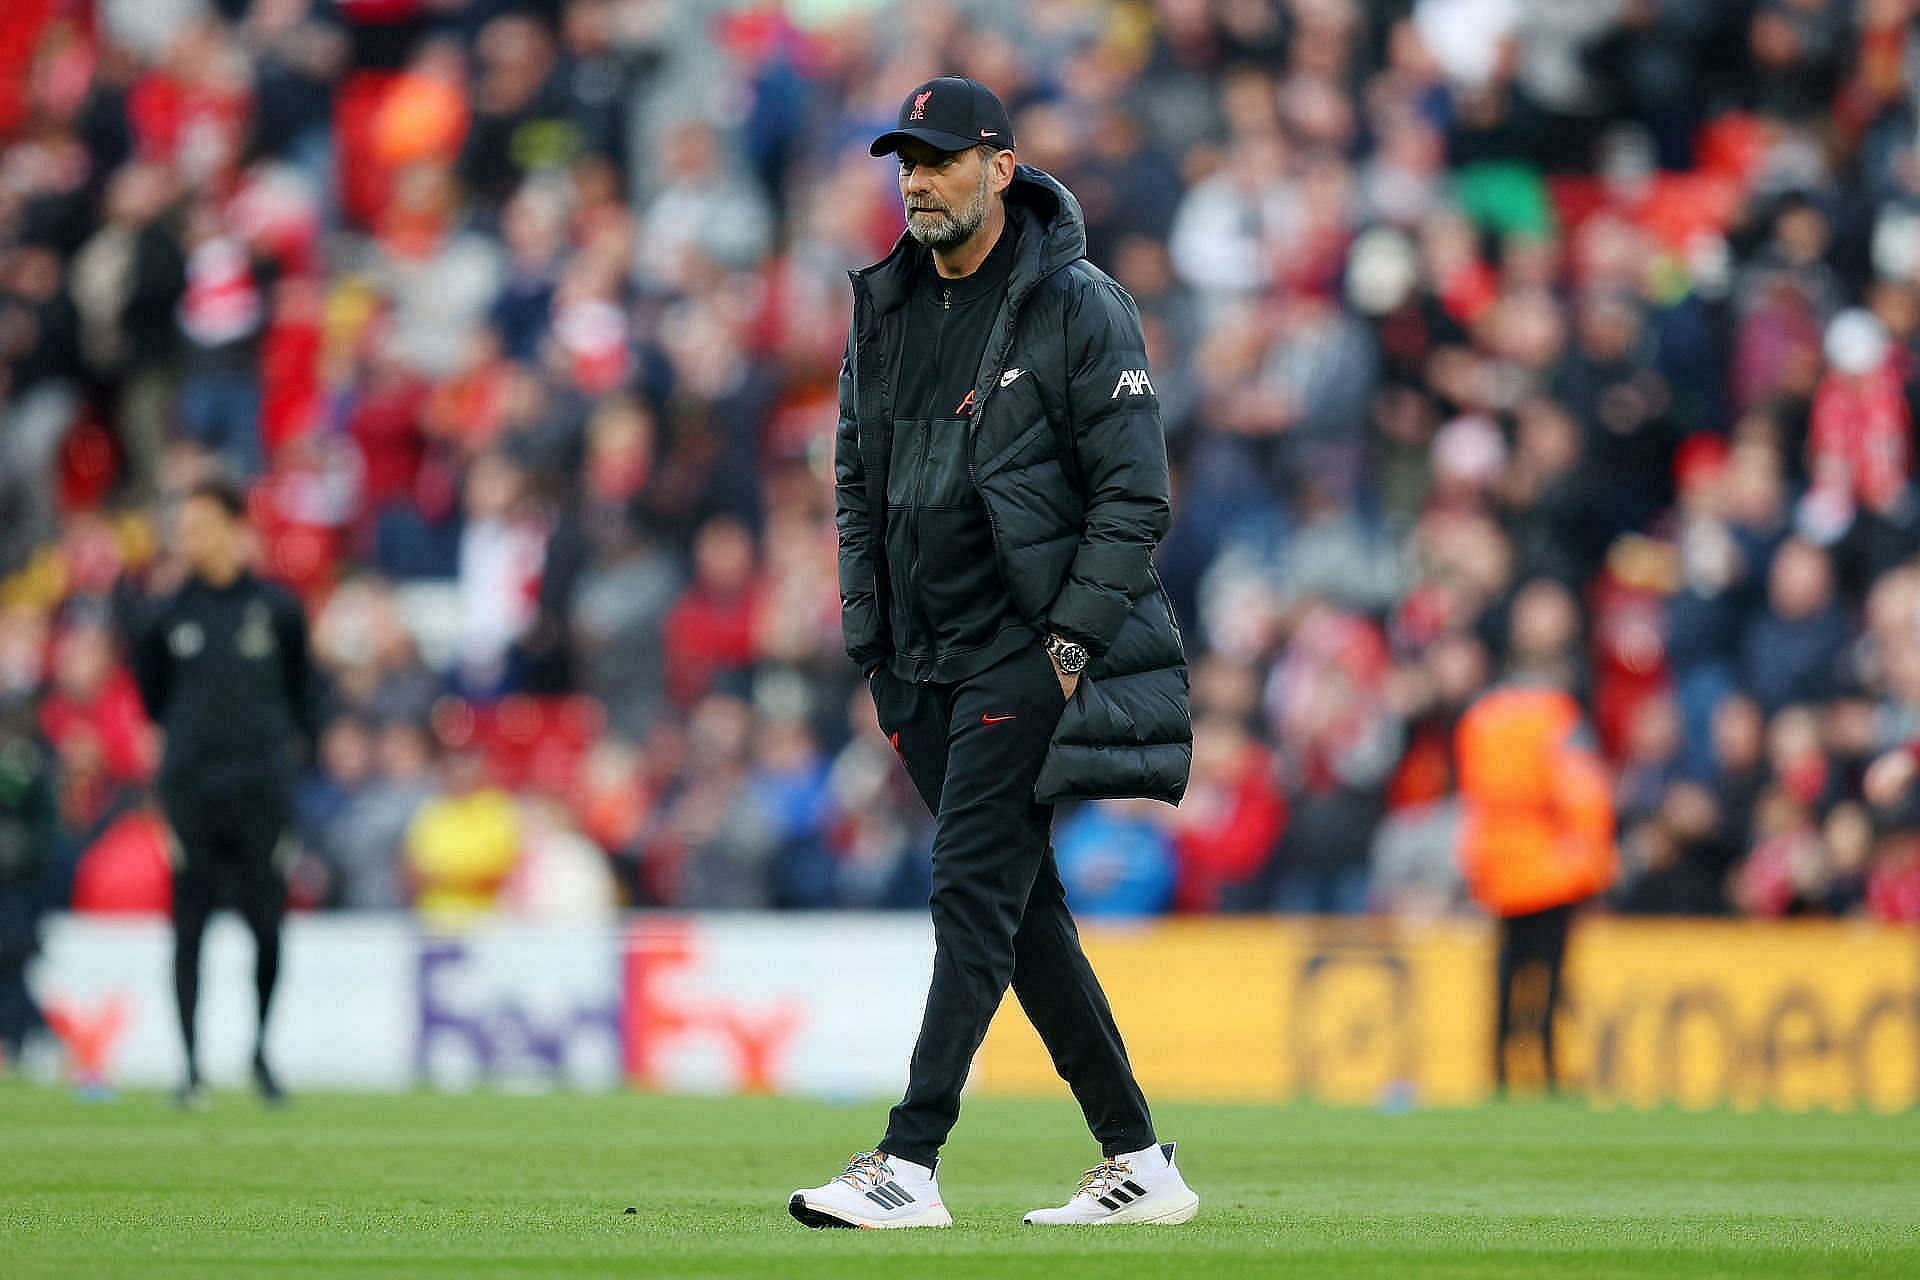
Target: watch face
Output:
[{"x": 1071, "y": 657}]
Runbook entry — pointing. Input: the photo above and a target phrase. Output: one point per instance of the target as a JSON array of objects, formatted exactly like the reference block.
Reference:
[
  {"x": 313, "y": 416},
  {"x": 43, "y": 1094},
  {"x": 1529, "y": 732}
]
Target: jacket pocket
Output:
[
  {"x": 877, "y": 690},
  {"x": 1022, "y": 443},
  {"x": 1092, "y": 718}
]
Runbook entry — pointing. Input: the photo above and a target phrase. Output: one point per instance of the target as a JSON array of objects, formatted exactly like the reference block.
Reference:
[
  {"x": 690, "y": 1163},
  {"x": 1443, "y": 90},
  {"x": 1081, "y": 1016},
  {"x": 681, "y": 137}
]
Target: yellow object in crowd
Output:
[{"x": 460, "y": 850}]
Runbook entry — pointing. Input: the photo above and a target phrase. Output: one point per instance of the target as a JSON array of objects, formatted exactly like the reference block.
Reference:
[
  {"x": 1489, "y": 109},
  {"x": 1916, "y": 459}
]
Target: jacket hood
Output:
[{"x": 1042, "y": 215}]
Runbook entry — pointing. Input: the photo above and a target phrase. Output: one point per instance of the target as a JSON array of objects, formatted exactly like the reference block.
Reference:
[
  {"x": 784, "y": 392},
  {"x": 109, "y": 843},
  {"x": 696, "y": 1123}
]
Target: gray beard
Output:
[{"x": 950, "y": 229}]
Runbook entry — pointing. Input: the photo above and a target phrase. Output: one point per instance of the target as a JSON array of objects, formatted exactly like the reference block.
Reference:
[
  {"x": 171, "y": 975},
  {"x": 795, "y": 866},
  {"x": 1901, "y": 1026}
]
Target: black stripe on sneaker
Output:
[
  {"x": 1134, "y": 1187},
  {"x": 1121, "y": 1196},
  {"x": 880, "y": 1197},
  {"x": 900, "y": 1191},
  {"x": 1109, "y": 1203}
]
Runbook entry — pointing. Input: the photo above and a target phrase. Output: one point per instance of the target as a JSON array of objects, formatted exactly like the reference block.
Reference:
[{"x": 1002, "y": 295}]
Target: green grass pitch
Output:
[{"x": 494, "y": 1185}]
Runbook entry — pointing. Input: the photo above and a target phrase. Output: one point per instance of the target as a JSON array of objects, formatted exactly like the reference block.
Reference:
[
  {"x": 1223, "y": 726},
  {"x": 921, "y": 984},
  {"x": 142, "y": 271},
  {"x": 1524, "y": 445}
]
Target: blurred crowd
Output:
[{"x": 1578, "y": 335}]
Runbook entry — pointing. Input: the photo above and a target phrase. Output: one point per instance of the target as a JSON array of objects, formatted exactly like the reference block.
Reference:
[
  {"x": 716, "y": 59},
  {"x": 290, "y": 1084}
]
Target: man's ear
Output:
[{"x": 1003, "y": 163}]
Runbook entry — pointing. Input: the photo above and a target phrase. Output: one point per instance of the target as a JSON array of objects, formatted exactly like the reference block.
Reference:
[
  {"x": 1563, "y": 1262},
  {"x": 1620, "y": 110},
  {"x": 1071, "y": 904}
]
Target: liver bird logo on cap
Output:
[{"x": 920, "y": 105}]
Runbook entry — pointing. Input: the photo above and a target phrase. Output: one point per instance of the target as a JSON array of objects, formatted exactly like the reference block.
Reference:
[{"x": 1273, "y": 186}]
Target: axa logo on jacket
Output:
[{"x": 1132, "y": 381}]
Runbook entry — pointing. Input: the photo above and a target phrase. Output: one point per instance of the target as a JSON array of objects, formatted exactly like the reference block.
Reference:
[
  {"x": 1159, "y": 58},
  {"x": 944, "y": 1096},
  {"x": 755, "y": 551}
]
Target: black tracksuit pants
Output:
[
  {"x": 228, "y": 840},
  {"x": 1533, "y": 952},
  {"x": 973, "y": 750}
]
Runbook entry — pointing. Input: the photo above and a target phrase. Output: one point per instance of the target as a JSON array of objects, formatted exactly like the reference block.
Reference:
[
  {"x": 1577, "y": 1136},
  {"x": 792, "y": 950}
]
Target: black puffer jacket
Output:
[{"x": 1074, "y": 526}]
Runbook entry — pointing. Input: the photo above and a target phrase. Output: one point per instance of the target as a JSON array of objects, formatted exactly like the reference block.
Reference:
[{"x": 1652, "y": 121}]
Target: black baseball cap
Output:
[{"x": 952, "y": 114}]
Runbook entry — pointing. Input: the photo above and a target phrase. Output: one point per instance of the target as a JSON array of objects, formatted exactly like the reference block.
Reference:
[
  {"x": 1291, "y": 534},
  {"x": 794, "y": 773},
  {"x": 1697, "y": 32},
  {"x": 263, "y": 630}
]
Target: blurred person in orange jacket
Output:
[{"x": 1539, "y": 824}]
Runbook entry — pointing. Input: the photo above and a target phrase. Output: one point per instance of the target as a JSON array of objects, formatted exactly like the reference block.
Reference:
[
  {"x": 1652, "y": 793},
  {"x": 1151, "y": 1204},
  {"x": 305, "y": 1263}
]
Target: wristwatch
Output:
[{"x": 1071, "y": 658}]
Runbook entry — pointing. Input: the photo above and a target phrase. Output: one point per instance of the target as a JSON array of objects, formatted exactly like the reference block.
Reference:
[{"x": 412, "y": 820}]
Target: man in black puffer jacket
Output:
[{"x": 1001, "y": 482}]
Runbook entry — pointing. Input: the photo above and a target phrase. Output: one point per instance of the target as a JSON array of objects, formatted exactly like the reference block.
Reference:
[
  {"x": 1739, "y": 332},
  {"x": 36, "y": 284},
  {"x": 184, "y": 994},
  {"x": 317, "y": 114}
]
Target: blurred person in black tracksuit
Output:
[
  {"x": 28, "y": 820},
  {"x": 1001, "y": 482},
  {"x": 223, "y": 669}
]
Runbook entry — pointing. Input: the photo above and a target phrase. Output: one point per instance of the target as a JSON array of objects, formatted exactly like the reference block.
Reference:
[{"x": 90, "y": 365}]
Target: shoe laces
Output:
[
  {"x": 865, "y": 1171},
  {"x": 1103, "y": 1177}
]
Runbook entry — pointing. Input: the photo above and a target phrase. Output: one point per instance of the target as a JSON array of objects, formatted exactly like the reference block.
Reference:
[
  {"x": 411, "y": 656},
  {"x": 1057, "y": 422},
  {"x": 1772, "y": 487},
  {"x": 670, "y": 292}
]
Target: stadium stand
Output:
[{"x": 1580, "y": 334}]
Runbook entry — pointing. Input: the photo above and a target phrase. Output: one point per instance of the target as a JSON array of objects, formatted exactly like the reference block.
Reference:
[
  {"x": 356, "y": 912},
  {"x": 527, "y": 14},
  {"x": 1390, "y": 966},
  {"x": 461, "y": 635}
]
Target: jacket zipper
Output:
[
  {"x": 863, "y": 324},
  {"x": 973, "y": 470},
  {"x": 913, "y": 510}
]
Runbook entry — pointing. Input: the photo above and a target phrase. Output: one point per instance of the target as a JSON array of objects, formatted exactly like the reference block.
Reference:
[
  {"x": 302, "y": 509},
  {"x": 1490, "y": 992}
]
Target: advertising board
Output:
[{"x": 1374, "y": 1012}]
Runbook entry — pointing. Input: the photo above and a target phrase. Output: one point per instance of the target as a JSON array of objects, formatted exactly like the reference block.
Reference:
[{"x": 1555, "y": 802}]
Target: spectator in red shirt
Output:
[
  {"x": 1859, "y": 441},
  {"x": 1893, "y": 884},
  {"x": 191, "y": 112},
  {"x": 384, "y": 421},
  {"x": 710, "y": 630},
  {"x": 94, "y": 698},
  {"x": 1232, "y": 818}
]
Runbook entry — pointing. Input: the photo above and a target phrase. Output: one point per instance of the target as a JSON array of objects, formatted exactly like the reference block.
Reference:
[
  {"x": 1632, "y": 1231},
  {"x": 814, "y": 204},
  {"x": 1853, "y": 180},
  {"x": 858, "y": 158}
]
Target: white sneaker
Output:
[
  {"x": 876, "y": 1190},
  {"x": 1141, "y": 1186}
]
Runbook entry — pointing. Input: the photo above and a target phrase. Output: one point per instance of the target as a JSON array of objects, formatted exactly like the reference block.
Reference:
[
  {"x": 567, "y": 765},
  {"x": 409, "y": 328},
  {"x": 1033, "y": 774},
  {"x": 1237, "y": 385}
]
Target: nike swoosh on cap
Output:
[{"x": 987, "y": 133}]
